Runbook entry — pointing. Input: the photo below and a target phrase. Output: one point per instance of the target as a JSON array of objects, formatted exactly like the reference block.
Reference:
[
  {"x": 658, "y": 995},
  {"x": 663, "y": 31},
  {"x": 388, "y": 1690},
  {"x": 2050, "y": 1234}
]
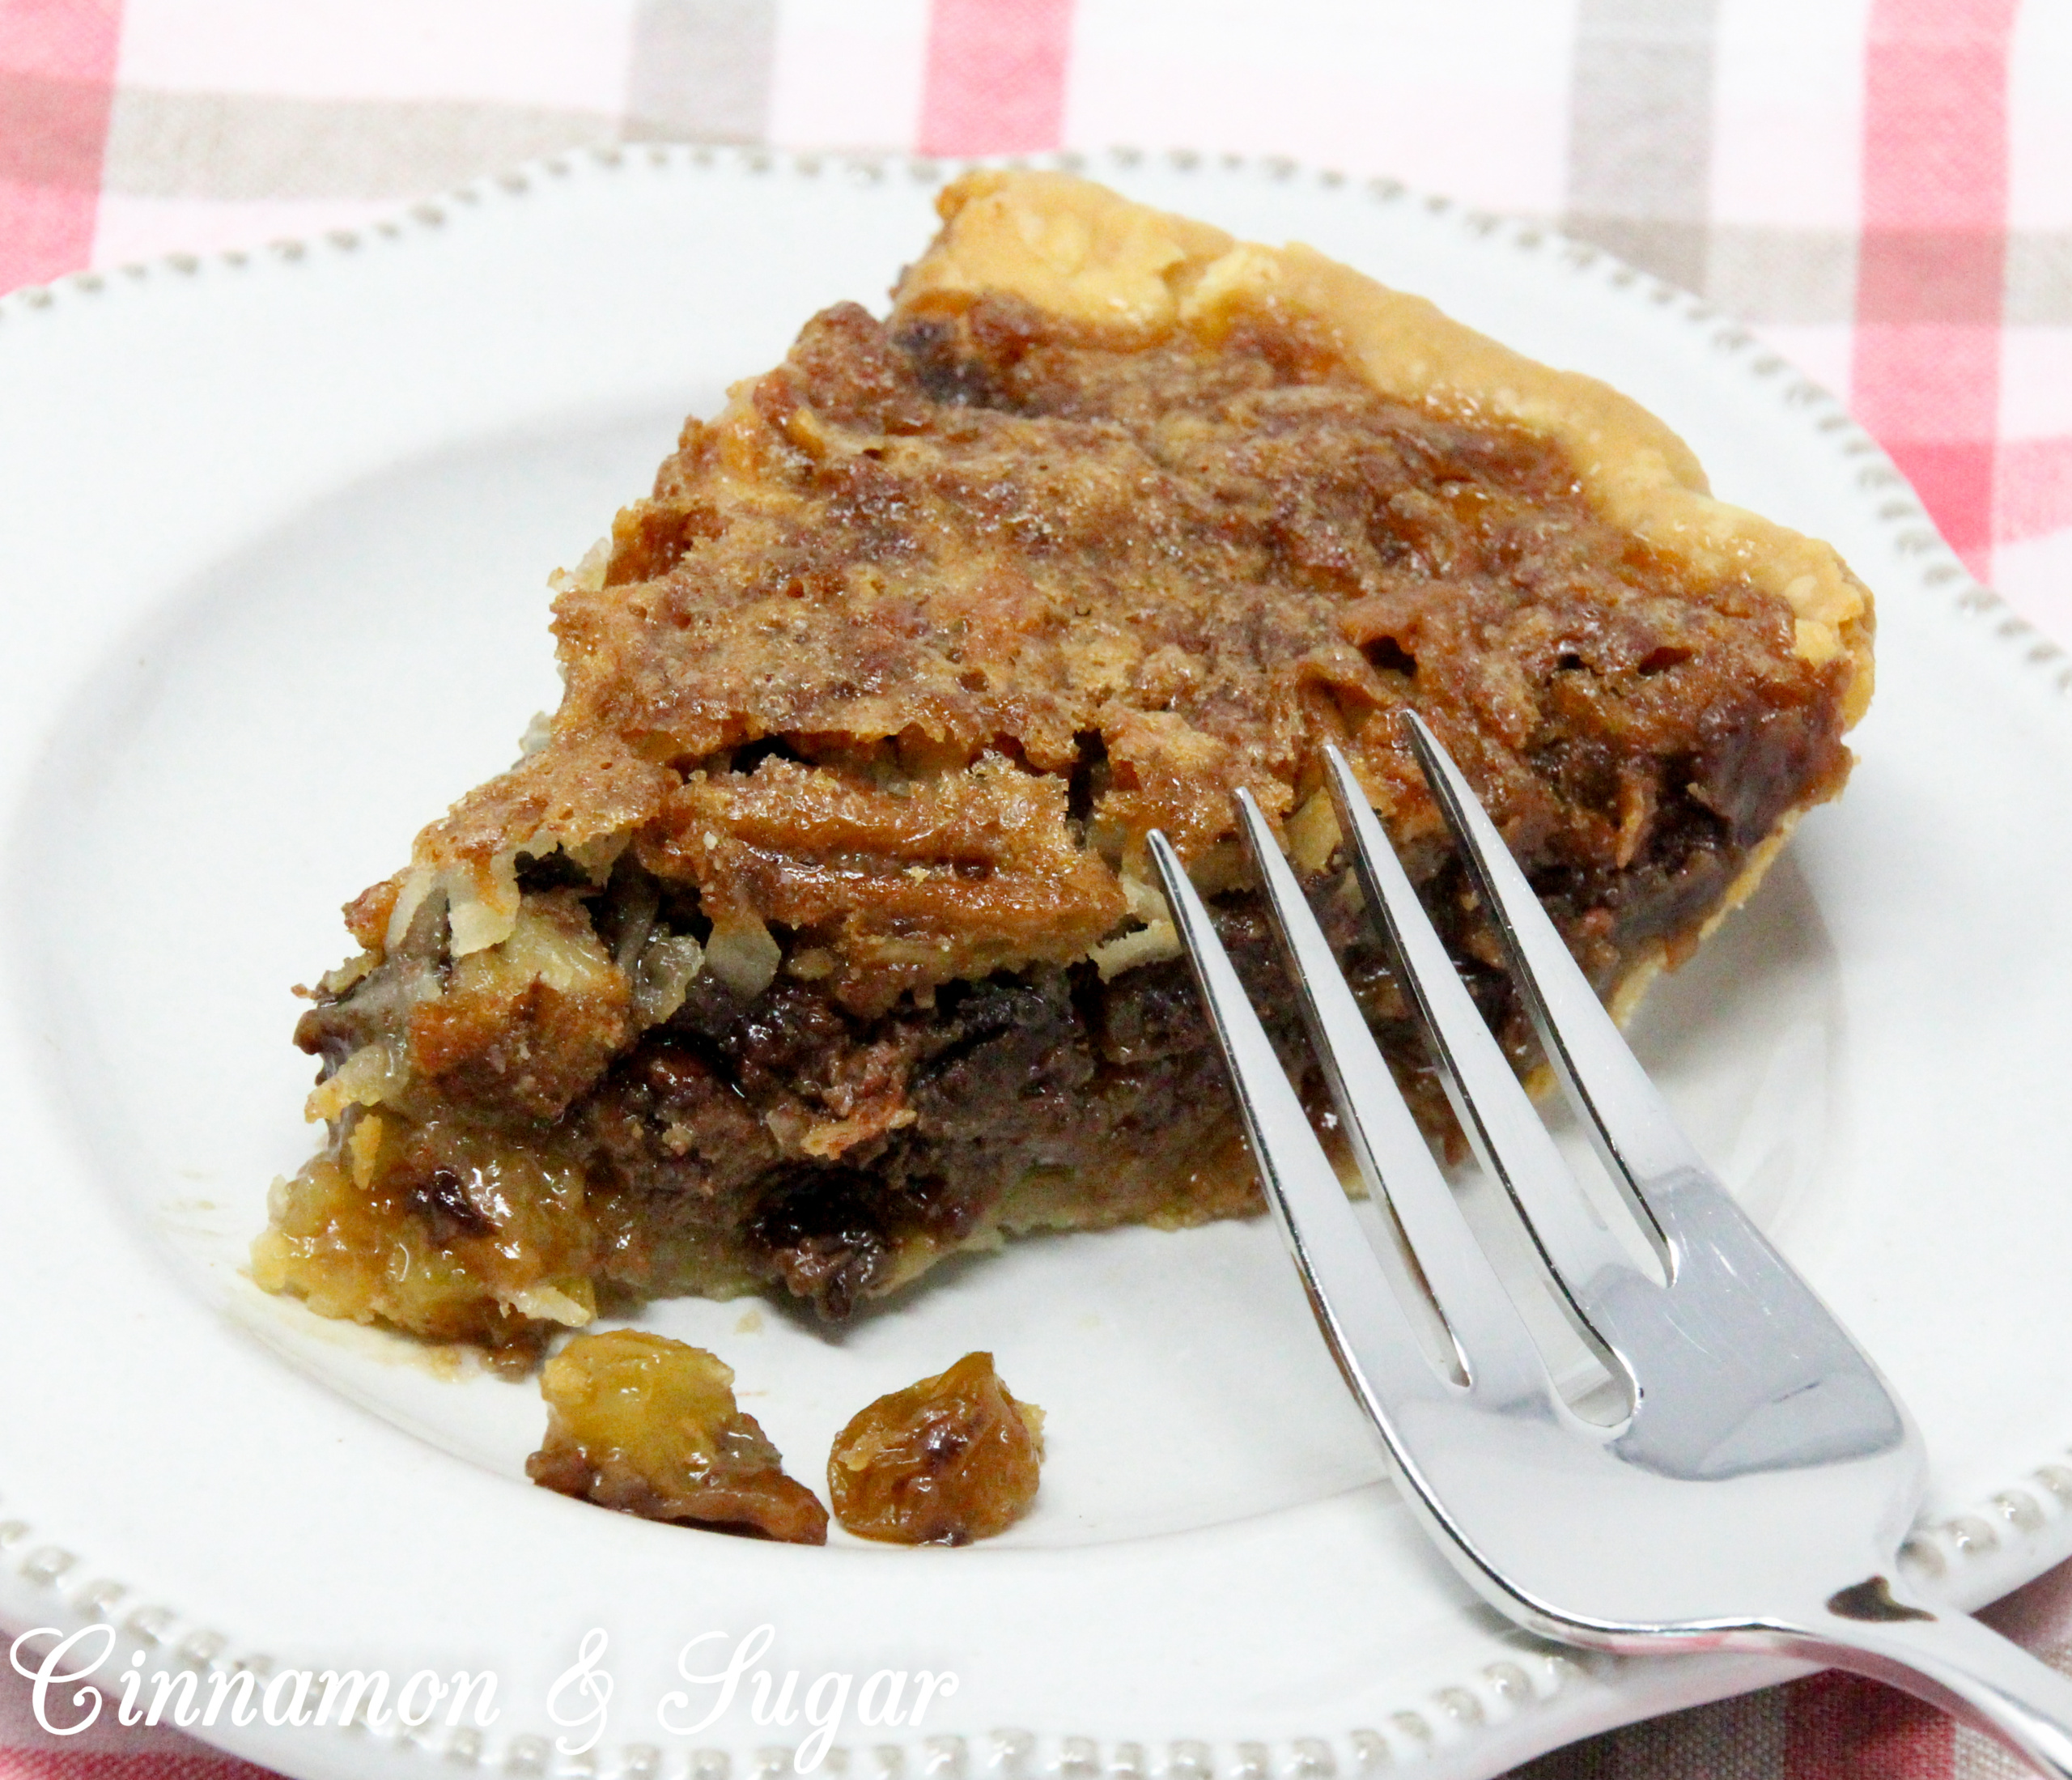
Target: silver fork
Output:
[{"x": 1754, "y": 1494}]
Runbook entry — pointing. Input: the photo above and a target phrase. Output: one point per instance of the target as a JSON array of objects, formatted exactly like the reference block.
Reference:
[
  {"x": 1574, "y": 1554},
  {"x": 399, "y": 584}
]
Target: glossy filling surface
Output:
[
  {"x": 953, "y": 1459},
  {"x": 649, "y": 1426}
]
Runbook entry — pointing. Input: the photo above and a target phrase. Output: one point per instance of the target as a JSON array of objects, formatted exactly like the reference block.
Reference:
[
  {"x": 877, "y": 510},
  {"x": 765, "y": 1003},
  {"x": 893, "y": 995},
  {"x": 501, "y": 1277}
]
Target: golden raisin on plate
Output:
[
  {"x": 649, "y": 1426},
  {"x": 943, "y": 1462}
]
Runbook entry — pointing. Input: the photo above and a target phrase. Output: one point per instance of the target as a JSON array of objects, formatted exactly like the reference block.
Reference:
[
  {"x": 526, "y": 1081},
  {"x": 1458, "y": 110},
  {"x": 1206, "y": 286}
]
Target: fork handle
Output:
[{"x": 1950, "y": 1660}]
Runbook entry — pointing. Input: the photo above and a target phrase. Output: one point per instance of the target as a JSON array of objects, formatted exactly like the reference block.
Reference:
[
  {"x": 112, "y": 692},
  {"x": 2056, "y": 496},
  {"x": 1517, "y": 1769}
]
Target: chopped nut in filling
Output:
[
  {"x": 813, "y": 940},
  {"x": 649, "y": 1426},
  {"x": 953, "y": 1459}
]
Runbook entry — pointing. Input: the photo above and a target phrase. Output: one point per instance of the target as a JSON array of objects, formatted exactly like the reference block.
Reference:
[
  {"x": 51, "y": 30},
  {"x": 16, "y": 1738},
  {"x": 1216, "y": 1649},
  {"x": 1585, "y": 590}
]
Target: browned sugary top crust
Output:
[{"x": 918, "y": 638}]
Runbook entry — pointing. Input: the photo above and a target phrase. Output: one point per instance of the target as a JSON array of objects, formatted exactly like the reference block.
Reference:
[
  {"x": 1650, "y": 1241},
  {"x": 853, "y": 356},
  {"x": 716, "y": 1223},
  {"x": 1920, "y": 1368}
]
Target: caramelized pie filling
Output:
[
  {"x": 649, "y": 1426},
  {"x": 953, "y": 1459},
  {"x": 816, "y": 942}
]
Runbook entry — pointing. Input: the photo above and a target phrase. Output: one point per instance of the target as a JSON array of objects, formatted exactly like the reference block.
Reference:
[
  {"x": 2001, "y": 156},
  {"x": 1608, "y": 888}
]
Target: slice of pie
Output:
[{"x": 814, "y": 939}]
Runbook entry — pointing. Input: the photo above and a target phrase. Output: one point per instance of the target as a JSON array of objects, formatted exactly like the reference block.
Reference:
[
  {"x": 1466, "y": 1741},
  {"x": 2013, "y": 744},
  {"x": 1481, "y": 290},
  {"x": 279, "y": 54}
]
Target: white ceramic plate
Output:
[{"x": 273, "y": 539}]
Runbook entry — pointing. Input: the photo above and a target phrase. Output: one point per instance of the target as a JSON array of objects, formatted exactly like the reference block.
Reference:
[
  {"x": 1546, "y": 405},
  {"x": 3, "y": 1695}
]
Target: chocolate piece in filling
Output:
[{"x": 816, "y": 940}]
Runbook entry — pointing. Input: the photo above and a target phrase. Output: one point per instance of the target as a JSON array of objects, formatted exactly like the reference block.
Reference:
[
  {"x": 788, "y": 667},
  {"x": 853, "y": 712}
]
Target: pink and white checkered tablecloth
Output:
[{"x": 1882, "y": 188}]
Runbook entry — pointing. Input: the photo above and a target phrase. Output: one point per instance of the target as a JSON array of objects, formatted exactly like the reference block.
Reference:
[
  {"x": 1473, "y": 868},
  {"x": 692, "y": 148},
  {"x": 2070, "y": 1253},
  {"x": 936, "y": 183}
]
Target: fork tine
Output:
[
  {"x": 1496, "y": 1353},
  {"x": 1588, "y": 1265},
  {"x": 1629, "y": 1123},
  {"x": 1365, "y": 1327}
]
